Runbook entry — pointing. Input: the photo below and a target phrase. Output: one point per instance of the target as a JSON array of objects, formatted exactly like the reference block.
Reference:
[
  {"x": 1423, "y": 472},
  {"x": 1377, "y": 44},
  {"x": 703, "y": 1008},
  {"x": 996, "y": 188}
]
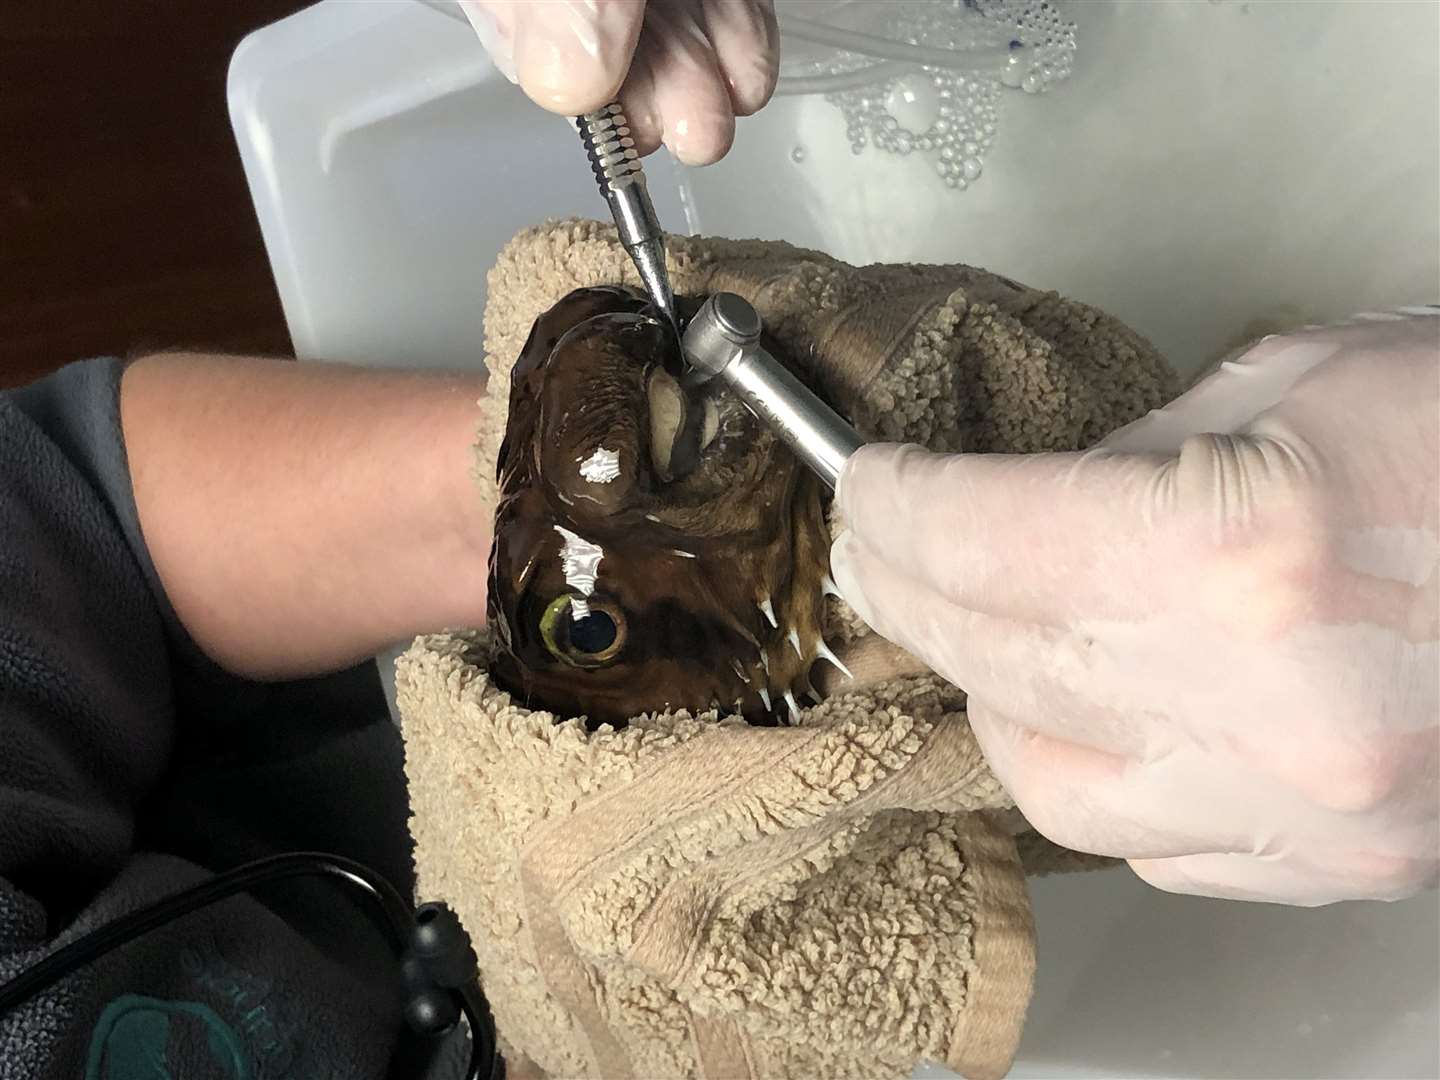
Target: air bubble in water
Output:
[
  {"x": 949, "y": 115},
  {"x": 914, "y": 102}
]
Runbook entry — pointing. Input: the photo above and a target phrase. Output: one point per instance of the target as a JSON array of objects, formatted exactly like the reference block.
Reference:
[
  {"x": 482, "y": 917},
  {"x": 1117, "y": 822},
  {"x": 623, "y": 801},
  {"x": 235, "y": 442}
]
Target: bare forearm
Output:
[{"x": 303, "y": 516}]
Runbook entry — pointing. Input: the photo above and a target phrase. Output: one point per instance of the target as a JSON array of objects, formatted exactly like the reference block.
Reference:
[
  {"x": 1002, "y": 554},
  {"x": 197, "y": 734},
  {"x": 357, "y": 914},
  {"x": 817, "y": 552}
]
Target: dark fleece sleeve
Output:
[
  {"x": 131, "y": 766},
  {"x": 85, "y": 693}
]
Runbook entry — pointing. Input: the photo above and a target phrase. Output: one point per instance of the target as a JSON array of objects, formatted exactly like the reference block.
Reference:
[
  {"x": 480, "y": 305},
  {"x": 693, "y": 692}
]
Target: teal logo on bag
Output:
[{"x": 134, "y": 1036}]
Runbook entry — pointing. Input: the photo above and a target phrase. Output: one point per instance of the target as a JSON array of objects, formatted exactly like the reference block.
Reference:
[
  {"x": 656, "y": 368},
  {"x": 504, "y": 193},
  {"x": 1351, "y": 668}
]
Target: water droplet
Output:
[
  {"x": 1031, "y": 83},
  {"x": 971, "y": 148},
  {"x": 797, "y": 155},
  {"x": 971, "y": 168},
  {"x": 903, "y": 143}
]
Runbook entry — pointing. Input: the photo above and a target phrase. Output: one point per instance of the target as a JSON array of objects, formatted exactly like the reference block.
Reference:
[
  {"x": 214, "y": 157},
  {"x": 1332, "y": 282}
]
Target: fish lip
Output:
[{"x": 614, "y": 314}]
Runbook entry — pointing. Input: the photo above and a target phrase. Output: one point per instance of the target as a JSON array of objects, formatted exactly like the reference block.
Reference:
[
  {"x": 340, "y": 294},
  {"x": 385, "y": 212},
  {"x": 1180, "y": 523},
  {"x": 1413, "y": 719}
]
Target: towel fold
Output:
[{"x": 692, "y": 897}]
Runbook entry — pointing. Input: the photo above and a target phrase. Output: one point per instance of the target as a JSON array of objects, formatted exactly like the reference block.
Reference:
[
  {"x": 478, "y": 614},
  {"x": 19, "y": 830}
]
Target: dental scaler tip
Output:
[{"x": 606, "y": 135}]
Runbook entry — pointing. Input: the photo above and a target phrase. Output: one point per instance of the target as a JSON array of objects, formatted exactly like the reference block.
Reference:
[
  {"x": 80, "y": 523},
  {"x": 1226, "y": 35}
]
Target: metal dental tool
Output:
[
  {"x": 723, "y": 339},
  {"x": 606, "y": 135},
  {"x": 724, "y": 336}
]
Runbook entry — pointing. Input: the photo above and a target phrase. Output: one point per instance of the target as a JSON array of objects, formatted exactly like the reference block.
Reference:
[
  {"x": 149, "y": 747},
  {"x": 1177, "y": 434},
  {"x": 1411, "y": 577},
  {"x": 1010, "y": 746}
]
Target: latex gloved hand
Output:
[
  {"x": 1214, "y": 655},
  {"x": 683, "y": 69}
]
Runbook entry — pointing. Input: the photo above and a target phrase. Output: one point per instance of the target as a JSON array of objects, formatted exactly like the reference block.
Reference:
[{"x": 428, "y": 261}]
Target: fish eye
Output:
[
  {"x": 593, "y": 634},
  {"x": 590, "y": 641}
]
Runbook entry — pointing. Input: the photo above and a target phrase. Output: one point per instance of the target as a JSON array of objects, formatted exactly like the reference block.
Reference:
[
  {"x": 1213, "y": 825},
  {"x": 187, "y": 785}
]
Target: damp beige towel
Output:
[{"x": 687, "y": 898}]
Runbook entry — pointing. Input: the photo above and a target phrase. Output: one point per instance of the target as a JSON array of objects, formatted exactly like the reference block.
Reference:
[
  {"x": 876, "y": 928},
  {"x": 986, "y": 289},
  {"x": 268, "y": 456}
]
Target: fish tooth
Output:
[
  {"x": 829, "y": 588},
  {"x": 793, "y": 704},
  {"x": 769, "y": 611},
  {"x": 823, "y": 652},
  {"x": 794, "y": 638},
  {"x": 765, "y": 661},
  {"x": 765, "y": 697},
  {"x": 740, "y": 671}
]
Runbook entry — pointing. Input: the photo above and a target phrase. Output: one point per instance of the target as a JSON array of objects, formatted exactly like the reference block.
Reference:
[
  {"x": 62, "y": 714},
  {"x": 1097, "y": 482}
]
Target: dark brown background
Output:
[{"x": 125, "y": 223}]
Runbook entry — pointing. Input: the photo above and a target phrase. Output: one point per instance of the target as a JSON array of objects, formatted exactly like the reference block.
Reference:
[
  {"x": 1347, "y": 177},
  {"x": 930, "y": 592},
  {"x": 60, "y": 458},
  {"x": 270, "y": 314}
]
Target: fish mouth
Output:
[
  {"x": 687, "y": 422},
  {"x": 698, "y": 431}
]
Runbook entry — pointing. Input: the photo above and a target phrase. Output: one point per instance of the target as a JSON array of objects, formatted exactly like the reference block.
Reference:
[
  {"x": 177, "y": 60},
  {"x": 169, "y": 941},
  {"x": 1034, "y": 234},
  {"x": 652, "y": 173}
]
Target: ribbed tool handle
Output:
[{"x": 606, "y": 135}]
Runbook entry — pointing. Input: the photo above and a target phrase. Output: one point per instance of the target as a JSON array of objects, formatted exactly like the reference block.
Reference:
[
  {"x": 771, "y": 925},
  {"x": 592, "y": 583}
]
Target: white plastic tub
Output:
[{"x": 1210, "y": 167}]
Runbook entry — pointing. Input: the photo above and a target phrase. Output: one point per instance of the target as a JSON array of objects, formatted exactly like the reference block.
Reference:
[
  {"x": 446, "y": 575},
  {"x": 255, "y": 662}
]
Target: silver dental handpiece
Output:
[
  {"x": 723, "y": 340},
  {"x": 606, "y": 135}
]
